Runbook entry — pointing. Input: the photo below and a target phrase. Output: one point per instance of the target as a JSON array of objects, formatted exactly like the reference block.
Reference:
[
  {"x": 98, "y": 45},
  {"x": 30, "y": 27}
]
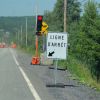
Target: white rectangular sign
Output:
[{"x": 56, "y": 45}]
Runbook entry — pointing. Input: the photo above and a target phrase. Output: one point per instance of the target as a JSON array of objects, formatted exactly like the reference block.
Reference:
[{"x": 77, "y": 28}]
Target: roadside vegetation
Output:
[{"x": 84, "y": 37}]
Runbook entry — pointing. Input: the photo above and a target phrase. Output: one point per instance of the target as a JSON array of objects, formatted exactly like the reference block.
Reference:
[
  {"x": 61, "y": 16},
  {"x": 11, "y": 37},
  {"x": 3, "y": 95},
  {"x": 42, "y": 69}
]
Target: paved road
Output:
[
  {"x": 15, "y": 84},
  {"x": 12, "y": 83},
  {"x": 21, "y": 81}
]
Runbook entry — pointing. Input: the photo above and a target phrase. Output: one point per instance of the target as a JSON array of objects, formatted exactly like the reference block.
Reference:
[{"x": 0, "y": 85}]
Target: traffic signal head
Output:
[{"x": 39, "y": 23}]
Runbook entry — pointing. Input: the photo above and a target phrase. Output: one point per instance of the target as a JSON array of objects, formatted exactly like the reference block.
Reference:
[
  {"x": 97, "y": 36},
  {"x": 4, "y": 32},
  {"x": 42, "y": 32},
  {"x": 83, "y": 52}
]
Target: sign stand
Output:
[
  {"x": 55, "y": 71},
  {"x": 60, "y": 85},
  {"x": 56, "y": 43}
]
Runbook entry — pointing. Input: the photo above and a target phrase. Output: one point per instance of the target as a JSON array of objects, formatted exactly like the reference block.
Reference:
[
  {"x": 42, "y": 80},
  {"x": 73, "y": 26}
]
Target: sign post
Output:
[
  {"x": 56, "y": 49},
  {"x": 56, "y": 71}
]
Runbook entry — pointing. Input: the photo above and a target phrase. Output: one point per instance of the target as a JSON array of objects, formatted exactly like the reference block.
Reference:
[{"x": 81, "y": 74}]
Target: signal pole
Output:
[
  {"x": 36, "y": 38},
  {"x": 65, "y": 17}
]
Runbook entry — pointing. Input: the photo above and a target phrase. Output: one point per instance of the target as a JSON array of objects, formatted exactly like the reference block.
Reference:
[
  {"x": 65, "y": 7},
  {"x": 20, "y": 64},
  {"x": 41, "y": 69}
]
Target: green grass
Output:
[
  {"x": 80, "y": 71},
  {"x": 27, "y": 50}
]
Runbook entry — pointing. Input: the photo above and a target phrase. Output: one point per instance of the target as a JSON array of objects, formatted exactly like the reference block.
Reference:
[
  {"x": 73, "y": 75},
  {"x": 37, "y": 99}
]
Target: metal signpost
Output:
[{"x": 57, "y": 49}]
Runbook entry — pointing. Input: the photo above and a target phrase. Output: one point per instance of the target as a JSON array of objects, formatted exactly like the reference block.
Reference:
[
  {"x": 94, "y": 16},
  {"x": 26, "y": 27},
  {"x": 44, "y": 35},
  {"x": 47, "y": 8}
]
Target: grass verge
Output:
[{"x": 80, "y": 71}]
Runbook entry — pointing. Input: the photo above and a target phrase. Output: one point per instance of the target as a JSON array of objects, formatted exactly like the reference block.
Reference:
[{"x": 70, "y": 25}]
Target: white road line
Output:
[
  {"x": 31, "y": 87},
  {"x": 14, "y": 57}
]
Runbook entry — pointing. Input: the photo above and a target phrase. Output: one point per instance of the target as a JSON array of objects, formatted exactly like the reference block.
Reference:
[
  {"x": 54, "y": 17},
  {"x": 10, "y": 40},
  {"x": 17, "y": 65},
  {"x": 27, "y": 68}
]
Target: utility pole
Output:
[
  {"x": 18, "y": 37},
  {"x": 65, "y": 17},
  {"x": 21, "y": 34},
  {"x": 26, "y": 32}
]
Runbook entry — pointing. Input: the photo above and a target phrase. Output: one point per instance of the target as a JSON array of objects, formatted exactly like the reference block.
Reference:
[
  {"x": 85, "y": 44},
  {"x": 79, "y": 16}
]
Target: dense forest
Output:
[{"x": 83, "y": 28}]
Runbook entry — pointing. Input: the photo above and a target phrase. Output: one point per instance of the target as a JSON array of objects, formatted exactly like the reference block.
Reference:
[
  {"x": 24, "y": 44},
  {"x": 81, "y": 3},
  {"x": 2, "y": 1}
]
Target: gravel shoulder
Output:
[{"x": 43, "y": 75}]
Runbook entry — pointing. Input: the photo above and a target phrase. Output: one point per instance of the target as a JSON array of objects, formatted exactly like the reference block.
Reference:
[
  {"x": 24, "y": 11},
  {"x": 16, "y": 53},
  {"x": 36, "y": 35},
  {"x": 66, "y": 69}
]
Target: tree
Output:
[
  {"x": 89, "y": 41},
  {"x": 55, "y": 18}
]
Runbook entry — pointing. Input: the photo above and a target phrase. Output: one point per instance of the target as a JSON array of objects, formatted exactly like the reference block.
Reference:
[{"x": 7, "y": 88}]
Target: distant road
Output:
[{"x": 12, "y": 84}]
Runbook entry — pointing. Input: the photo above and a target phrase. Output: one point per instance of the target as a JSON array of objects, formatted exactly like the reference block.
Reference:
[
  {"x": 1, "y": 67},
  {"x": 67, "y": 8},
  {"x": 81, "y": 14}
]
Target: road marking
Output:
[{"x": 31, "y": 87}]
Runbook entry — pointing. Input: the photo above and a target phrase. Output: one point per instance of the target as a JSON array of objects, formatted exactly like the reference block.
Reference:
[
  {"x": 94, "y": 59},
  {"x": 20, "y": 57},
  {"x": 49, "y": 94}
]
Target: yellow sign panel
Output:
[
  {"x": 44, "y": 27},
  {"x": 44, "y": 24},
  {"x": 45, "y": 32}
]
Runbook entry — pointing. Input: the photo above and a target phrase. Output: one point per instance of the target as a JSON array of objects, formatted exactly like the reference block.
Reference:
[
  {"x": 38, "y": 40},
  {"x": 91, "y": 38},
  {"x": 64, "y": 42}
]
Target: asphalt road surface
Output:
[
  {"x": 21, "y": 81},
  {"x": 12, "y": 83}
]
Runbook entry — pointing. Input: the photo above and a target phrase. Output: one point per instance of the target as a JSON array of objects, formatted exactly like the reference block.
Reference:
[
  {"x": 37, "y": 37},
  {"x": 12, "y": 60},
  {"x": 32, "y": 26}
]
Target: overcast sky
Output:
[{"x": 25, "y": 7}]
